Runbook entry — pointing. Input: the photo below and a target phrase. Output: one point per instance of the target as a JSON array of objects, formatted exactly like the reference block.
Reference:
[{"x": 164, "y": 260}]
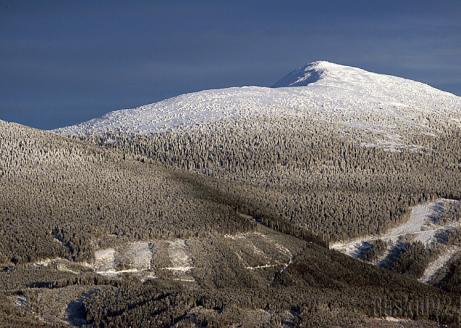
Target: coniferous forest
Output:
[{"x": 199, "y": 228}]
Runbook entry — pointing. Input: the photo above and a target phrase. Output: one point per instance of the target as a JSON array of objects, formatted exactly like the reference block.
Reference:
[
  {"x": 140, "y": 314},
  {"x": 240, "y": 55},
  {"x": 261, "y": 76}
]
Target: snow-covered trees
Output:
[
  {"x": 307, "y": 174},
  {"x": 59, "y": 197}
]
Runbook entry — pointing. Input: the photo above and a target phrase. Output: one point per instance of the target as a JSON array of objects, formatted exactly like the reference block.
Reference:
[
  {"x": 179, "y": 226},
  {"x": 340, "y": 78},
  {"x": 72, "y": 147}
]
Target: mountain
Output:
[
  {"x": 384, "y": 110},
  {"x": 234, "y": 206},
  {"x": 382, "y": 142}
]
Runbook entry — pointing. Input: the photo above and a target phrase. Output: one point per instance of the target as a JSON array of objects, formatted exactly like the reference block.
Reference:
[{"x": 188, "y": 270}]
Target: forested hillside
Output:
[
  {"x": 59, "y": 197},
  {"x": 314, "y": 177},
  {"x": 104, "y": 237}
]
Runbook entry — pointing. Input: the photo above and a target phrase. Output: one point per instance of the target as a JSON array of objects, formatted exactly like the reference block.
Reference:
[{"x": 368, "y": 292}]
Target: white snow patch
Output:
[
  {"x": 113, "y": 272},
  {"x": 244, "y": 235},
  {"x": 257, "y": 251},
  {"x": 45, "y": 262},
  {"x": 63, "y": 268},
  {"x": 439, "y": 263},
  {"x": 149, "y": 276},
  {"x": 179, "y": 256},
  {"x": 179, "y": 268},
  {"x": 136, "y": 255},
  {"x": 21, "y": 301},
  {"x": 282, "y": 249},
  {"x": 393, "y": 319},
  {"x": 237, "y": 236},
  {"x": 264, "y": 266},
  {"x": 185, "y": 279},
  {"x": 104, "y": 260},
  {"x": 419, "y": 224}
]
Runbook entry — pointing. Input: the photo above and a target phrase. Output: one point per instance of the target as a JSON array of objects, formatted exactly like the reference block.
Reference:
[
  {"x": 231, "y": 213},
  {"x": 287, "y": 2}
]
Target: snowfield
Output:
[{"x": 347, "y": 98}]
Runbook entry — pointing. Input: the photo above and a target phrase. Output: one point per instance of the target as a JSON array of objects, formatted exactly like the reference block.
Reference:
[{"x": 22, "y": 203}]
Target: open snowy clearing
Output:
[
  {"x": 174, "y": 260},
  {"x": 421, "y": 226},
  {"x": 179, "y": 256},
  {"x": 265, "y": 257}
]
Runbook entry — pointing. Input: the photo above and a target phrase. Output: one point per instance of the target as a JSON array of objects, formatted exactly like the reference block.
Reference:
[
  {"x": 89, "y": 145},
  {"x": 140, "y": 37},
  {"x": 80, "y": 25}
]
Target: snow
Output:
[
  {"x": 387, "y": 107},
  {"x": 45, "y": 262},
  {"x": 439, "y": 263},
  {"x": 113, "y": 272},
  {"x": 137, "y": 255},
  {"x": 63, "y": 268},
  {"x": 134, "y": 257},
  {"x": 418, "y": 225},
  {"x": 185, "y": 279},
  {"x": 104, "y": 259},
  {"x": 394, "y": 319},
  {"x": 21, "y": 301},
  {"x": 247, "y": 241},
  {"x": 179, "y": 256},
  {"x": 263, "y": 266}
]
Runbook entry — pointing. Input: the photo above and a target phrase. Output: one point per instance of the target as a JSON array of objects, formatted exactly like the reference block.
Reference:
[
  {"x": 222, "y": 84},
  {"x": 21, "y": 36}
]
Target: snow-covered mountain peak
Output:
[
  {"x": 313, "y": 72},
  {"x": 342, "y": 97}
]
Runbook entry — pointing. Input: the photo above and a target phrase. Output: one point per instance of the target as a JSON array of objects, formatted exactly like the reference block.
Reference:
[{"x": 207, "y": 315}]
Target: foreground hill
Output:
[
  {"x": 54, "y": 190},
  {"x": 100, "y": 237}
]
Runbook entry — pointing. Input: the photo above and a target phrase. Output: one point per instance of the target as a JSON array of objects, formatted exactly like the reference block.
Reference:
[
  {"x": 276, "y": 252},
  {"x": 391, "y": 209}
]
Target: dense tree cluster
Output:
[
  {"x": 66, "y": 198},
  {"x": 451, "y": 281},
  {"x": 311, "y": 174},
  {"x": 451, "y": 213},
  {"x": 412, "y": 259},
  {"x": 450, "y": 236},
  {"x": 372, "y": 250}
]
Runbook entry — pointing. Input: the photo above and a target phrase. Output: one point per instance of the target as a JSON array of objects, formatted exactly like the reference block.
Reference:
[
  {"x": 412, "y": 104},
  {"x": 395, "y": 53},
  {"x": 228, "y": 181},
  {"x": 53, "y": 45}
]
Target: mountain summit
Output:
[
  {"x": 384, "y": 109},
  {"x": 305, "y": 75},
  {"x": 331, "y": 73}
]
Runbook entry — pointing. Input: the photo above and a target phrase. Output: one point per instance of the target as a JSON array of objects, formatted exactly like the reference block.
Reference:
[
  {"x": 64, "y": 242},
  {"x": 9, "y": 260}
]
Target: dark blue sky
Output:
[{"x": 63, "y": 62}]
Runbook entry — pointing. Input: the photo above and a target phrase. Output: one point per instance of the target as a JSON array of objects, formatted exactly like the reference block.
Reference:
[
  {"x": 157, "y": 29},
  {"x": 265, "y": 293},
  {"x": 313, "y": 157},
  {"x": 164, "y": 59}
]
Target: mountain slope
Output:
[
  {"x": 347, "y": 155},
  {"x": 54, "y": 189}
]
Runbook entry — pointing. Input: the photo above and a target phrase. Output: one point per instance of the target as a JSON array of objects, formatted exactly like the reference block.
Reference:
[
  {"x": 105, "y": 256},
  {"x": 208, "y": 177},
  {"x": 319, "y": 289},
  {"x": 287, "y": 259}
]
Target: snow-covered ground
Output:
[
  {"x": 179, "y": 256},
  {"x": 439, "y": 263},
  {"x": 104, "y": 260},
  {"x": 421, "y": 226},
  {"x": 130, "y": 258},
  {"x": 265, "y": 258},
  {"x": 387, "y": 107},
  {"x": 174, "y": 259}
]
